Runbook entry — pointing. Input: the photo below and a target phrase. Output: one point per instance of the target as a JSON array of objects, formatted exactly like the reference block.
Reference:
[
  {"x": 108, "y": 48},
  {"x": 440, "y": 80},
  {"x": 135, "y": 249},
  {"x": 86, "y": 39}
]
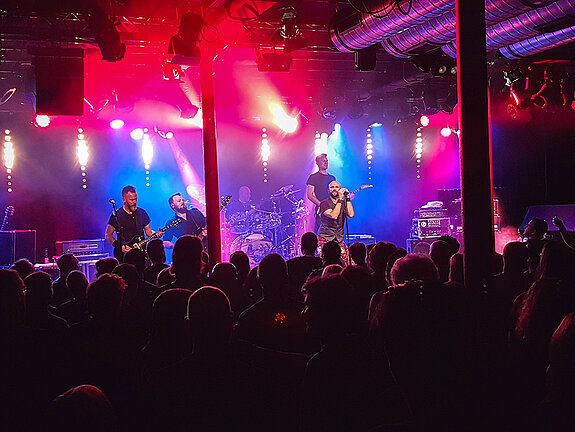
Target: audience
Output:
[{"x": 392, "y": 343}]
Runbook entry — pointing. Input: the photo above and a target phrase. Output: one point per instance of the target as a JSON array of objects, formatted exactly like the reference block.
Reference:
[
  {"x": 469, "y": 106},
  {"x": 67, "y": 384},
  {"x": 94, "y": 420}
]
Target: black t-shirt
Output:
[
  {"x": 132, "y": 225},
  {"x": 329, "y": 228},
  {"x": 320, "y": 182},
  {"x": 192, "y": 225}
]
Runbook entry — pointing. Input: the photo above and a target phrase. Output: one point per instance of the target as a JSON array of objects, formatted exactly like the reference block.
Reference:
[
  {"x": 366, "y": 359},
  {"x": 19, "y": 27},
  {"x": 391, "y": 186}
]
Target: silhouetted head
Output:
[
  {"x": 24, "y": 267},
  {"x": 66, "y": 263},
  {"x": 358, "y": 252},
  {"x": 225, "y": 277},
  {"x": 399, "y": 253},
  {"x": 209, "y": 318},
  {"x": 137, "y": 258},
  {"x": 156, "y": 251},
  {"x": 187, "y": 257},
  {"x": 329, "y": 306},
  {"x": 12, "y": 304},
  {"x": 77, "y": 284},
  {"x": 83, "y": 408},
  {"x": 556, "y": 261},
  {"x": 456, "y": 268},
  {"x": 129, "y": 273},
  {"x": 272, "y": 274},
  {"x": 515, "y": 256},
  {"x": 331, "y": 253},
  {"x": 560, "y": 373},
  {"x": 379, "y": 255},
  {"x": 414, "y": 267},
  {"x": 168, "y": 319},
  {"x": 309, "y": 243},
  {"x": 452, "y": 242},
  {"x": 242, "y": 263},
  {"x": 105, "y": 295},
  {"x": 38, "y": 290},
  {"x": 536, "y": 229},
  {"x": 106, "y": 265},
  {"x": 440, "y": 252}
]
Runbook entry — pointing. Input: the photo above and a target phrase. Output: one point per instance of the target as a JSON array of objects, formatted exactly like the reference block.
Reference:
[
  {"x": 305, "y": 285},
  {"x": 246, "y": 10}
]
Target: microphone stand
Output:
[
  {"x": 119, "y": 230},
  {"x": 346, "y": 225}
]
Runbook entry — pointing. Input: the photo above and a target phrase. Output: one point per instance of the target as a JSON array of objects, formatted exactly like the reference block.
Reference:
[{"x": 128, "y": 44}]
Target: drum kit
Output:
[{"x": 269, "y": 227}]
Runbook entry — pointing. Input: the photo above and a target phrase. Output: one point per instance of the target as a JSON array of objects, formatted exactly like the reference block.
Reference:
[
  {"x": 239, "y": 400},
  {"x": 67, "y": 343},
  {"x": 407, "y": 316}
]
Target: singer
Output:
[
  {"x": 129, "y": 223},
  {"x": 193, "y": 221},
  {"x": 332, "y": 211}
]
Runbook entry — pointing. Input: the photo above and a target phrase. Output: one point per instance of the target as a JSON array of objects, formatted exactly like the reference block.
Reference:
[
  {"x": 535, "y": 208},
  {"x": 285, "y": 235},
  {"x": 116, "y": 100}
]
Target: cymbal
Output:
[{"x": 283, "y": 190}]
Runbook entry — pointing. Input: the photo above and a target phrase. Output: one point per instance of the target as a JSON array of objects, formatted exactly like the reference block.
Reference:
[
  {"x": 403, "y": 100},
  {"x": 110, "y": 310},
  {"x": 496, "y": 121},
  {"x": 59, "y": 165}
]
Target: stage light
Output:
[
  {"x": 147, "y": 151},
  {"x": 8, "y": 152},
  {"x": 137, "y": 134},
  {"x": 290, "y": 32},
  {"x": 445, "y": 132},
  {"x": 7, "y": 95},
  {"x": 169, "y": 135},
  {"x": 106, "y": 35},
  {"x": 550, "y": 94},
  {"x": 185, "y": 44},
  {"x": 374, "y": 125},
  {"x": 320, "y": 143},
  {"x": 172, "y": 72},
  {"x": 336, "y": 127},
  {"x": 117, "y": 124},
  {"x": 285, "y": 122},
  {"x": 42, "y": 120},
  {"x": 188, "y": 111},
  {"x": 274, "y": 62},
  {"x": 424, "y": 121}
]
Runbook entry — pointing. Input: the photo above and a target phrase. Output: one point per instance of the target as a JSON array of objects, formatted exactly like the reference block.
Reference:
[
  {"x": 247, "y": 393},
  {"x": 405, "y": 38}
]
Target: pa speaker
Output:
[
  {"x": 60, "y": 85},
  {"x": 17, "y": 244},
  {"x": 365, "y": 59}
]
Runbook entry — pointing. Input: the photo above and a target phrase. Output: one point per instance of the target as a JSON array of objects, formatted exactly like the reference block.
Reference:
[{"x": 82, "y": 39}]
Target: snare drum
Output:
[{"x": 256, "y": 247}]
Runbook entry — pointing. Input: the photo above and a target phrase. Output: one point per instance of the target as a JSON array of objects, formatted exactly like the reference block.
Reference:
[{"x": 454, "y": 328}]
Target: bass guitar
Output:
[{"x": 203, "y": 235}]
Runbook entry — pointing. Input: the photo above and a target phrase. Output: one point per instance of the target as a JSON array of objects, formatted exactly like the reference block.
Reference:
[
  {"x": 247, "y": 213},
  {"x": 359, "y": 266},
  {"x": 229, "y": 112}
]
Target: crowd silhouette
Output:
[{"x": 388, "y": 341}]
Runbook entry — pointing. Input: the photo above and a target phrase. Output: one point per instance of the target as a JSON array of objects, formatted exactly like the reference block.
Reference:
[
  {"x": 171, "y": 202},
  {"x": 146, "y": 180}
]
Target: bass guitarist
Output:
[
  {"x": 193, "y": 221},
  {"x": 129, "y": 224}
]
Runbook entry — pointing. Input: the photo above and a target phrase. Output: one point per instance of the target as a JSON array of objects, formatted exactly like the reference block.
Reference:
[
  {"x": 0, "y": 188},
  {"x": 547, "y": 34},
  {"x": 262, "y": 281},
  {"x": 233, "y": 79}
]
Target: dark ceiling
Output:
[{"x": 238, "y": 30}]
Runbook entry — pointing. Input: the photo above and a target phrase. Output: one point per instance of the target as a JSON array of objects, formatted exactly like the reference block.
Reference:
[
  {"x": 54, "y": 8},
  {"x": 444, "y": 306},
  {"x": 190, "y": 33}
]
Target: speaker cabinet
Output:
[
  {"x": 17, "y": 244},
  {"x": 60, "y": 85},
  {"x": 420, "y": 246}
]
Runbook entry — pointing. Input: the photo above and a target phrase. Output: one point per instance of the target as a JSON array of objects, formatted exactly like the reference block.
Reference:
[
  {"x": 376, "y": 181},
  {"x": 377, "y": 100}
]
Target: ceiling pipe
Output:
[
  {"x": 522, "y": 26},
  {"x": 538, "y": 44},
  {"x": 441, "y": 30},
  {"x": 369, "y": 28}
]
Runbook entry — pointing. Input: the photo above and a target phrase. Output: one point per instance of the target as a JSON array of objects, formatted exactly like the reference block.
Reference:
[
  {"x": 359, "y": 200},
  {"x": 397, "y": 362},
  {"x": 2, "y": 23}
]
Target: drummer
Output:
[{"x": 239, "y": 210}]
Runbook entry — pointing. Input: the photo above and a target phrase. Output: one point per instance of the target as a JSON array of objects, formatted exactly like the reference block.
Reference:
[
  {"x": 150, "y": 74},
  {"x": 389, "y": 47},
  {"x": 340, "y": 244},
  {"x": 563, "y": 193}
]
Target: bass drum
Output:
[{"x": 256, "y": 247}]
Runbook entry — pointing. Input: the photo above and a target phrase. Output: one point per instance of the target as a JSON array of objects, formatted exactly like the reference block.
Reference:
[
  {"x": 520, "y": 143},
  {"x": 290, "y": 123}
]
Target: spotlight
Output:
[
  {"x": 42, "y": 121},
  {"x": 445, "y": 132},
  {"x": 289, "y": 32},
  {"x": 550, "y": 94},
  {"x": 185, "y": 44},
  {"x": 117, "y": 124},
  {"x": 106, "y": 35},
  {"x": 436, "y": 62},
  {"x": 172, "y": 72},
  {"x": 137, "y": 134},
  {"x": 424, "y": 121},
  {"x": 189, "y": 111}
]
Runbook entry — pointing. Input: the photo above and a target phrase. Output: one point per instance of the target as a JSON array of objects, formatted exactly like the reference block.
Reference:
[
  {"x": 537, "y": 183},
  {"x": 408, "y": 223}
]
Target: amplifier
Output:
[
  {"x": 431, "y": 227},
  {"x": 366, "y": 239},
  {"x": 17, "y": 244},
  {"x": 427, "y": 213},
  {"x": 84, "y": 249}
]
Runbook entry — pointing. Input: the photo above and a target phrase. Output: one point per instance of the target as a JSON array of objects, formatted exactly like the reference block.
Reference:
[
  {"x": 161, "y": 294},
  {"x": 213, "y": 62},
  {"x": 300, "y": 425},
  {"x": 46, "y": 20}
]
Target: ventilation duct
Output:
[
  {"x": 428, "y": 22},
  {"x": 538, "y": 44},
  {"x": 522, "y": 26},
  {"x": 442, "y": 30}
]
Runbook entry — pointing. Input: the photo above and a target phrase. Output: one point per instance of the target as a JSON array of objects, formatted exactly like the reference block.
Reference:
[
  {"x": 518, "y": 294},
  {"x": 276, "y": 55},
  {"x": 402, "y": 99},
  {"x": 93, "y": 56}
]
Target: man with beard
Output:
[
  {"x": 193, "y": 221},
  {"x": 129, "y": 223},
  {"x": 333, "y": 212}
]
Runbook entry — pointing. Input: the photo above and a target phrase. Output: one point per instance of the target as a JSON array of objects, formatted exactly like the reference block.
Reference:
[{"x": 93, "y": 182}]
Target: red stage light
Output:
[
  {"x": 446, "y": 132},
  {"x": 42, "y": 121},
  {"x": 424, "y": 121}
]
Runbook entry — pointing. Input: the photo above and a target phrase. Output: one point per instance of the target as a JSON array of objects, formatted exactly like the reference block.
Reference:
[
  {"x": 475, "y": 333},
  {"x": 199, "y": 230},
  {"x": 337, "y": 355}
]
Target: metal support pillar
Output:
[
  {"x": 475, "y": 143},
  {"x": 210, "y": 161}
]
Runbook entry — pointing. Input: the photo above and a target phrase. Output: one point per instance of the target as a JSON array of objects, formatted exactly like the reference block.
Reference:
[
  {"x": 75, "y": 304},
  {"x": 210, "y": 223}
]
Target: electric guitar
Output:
[
  {"x": 138, "y": 242},
  {"x": 203, "y": 235},
  {"x": 362, "y": 187},
  {"x": 9, "y": 213}
]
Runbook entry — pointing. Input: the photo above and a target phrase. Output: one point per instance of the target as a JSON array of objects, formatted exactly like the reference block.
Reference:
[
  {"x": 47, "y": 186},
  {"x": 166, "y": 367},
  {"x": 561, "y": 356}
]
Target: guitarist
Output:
[
  {"x": 193, "y": 221},
  {"x": 129, "y": 224}
]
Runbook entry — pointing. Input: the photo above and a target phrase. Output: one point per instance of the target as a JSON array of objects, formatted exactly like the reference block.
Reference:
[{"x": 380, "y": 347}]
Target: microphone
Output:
[
  {"x": 112, "y": 201},
  {"x": 345, "y": 193}
]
